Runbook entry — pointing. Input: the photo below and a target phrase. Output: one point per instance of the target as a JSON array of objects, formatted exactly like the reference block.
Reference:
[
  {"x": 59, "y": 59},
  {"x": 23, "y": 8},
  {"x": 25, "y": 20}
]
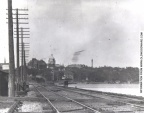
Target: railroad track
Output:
[
  {"x": 126, "y": 100},
  {"x": 63, "y": 104},
  {"x": 122, "y": 96},
  {"x": 105, "y": 94},
  {"x": 14, "y": 107},
  {"x": 6, "y": 105},
  {"x": 116, "y": 105}
]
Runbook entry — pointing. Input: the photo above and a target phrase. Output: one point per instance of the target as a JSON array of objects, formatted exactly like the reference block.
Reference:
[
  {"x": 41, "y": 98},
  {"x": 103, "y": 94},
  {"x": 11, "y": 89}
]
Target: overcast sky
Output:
[{"x": 107, "y": 30}]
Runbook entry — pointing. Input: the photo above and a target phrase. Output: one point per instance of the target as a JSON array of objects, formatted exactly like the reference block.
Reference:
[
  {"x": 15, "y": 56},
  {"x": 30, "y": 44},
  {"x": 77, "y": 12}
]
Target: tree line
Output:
[
  {"x": 88, "y": 74},
  {"x": 105, "y": 74}
]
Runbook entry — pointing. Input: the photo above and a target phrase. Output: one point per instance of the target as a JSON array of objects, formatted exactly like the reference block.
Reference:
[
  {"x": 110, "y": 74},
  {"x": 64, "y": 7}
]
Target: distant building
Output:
[
  {"x": 37, "y": 64},
  {"x": 4, "y": 66},
  {"x": 68, "y": 75},
  {"x": 42, "y": 64},
  {"x": 59, "y": 67},
  {"x": 51, "y": 62},
  {"x": 33, "y": 63},
  {"x": 76, "y": 65},
  {"x": 3, "y": 83}
]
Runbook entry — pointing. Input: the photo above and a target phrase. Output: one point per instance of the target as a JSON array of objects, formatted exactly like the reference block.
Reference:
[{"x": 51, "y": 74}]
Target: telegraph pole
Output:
[
  {"x": 17, "y": 34},
  {"x": 25, "y": 73},
  {"x": 11, "y": 78},
  {"x": 25, "y": 46},
  {"x": 10, "y": 22},
  {"x": 20, "y": 33},
  {"x": 22, "y": 54}
]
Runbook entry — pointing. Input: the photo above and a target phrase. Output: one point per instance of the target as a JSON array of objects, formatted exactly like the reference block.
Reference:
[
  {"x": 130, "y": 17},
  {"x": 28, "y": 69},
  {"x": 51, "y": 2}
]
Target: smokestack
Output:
[{"x": 92, "y": 63}]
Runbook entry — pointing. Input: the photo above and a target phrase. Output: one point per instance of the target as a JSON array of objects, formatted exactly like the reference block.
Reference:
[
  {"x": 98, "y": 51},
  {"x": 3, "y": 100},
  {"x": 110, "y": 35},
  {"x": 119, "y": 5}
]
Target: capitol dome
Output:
[{"x": 51, "y": 61}]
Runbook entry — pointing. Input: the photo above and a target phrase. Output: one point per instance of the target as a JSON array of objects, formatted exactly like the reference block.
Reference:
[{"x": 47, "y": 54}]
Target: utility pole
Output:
[
  {"x": 17, "y": 33},
  {"x": 11, "y": 48},
  {"x": 11, "y": 77},
  {"x": 22, "y": 54},
  {"x": 25, "y": 72},
  {"x": 25, "y": 47},
  {"x": 20, "y": 33}
]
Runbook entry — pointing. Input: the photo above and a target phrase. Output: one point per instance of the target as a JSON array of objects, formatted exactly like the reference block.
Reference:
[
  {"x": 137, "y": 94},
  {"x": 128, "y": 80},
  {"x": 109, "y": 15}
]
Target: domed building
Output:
[{"x": 51, "y": 62}]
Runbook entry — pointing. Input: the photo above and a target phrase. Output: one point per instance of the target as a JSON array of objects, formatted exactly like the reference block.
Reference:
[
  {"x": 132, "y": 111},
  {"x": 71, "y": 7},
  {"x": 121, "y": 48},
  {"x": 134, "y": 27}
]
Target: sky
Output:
[{"x": 107, "y": 31}]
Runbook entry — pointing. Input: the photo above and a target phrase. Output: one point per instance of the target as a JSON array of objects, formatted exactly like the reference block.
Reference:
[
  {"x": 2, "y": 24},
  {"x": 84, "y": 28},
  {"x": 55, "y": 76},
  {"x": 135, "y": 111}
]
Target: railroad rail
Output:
[
  {"x": 91, "y": 101},
  {"x": 14, "y": 107},
  {"x": 52, "y": 106},
  {"x": 114, "y": 97},
  {"x": 124, "y": 96},
  {"x": 55, "y": 109},
  {"x": 120, "y": 99}
]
